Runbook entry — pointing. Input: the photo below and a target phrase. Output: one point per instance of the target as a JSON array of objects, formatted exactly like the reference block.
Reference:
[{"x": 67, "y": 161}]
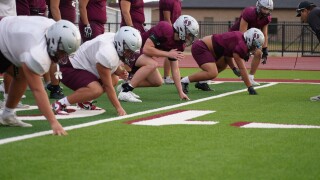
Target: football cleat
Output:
[
  {"x": 315, "y": 98},
  {"x": 11, "y": 120},
  {"x": 87, "y": 105},
  {"x": 253, "y": 83},
  {"x": 120, "y": 88},
  {"x": 168, "y": 80},
  {"x": 203, "y": 86},
  {"x": 55, "y": 92},
  {"x": 128, "y": 97},
  {"x": 22, "y": 106},
  {"x": 59, "y": 109},
  {"x": 185, "y": 87}
]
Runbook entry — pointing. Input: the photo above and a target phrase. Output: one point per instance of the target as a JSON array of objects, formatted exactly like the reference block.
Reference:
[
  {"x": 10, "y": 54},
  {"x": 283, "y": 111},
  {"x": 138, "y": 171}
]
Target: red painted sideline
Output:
[{"x": 273, "y": 63}]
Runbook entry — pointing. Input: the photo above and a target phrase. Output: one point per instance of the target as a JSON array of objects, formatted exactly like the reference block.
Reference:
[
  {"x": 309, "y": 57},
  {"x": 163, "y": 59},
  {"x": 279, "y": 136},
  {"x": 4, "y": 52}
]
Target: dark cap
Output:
[{"x": 304, "y": 5}]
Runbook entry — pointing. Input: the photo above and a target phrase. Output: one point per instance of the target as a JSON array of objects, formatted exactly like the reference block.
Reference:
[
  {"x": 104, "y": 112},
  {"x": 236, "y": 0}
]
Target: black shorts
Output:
[{"x": 5, "y": 63}]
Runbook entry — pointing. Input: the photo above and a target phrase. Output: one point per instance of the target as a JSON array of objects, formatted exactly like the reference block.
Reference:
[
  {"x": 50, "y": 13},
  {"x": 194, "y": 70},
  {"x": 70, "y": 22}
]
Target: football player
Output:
[
  {"x": 170, "y": 11},
  {"x": 93, "y": 16},
  {"x": 254, "y": 17},
  {"x": 28, "y": 46},
  {"x": 93, "y": 69},
  {"x": 162, "y": 40},
  {"x": 211, "y": 51},
  {"x": 132, "y": 13}
]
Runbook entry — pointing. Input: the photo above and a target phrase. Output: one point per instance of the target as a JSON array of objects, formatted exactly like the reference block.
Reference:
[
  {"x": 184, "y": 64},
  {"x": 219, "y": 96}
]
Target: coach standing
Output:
[{"x": 309, "y": 13}]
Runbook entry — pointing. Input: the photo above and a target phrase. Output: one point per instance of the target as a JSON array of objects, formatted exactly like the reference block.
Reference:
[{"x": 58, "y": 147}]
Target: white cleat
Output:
[
  {"x": 168, "y": 81},
  {"x": 119, "y": 89},
  {"x": 253, "y": 83},
  {"x": 12, "y": 120},
  {"x": 22, "y": 106},
  {"x": 315, "y": 98},
  {"x": 128, "y": 96}
]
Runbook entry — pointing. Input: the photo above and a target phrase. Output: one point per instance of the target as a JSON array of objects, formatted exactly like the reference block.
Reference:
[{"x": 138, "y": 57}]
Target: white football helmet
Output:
[
  {"x": 127, "y": 38},
  {"x": 62, "y": 35},
  {"x": 268, "y": 4},
  {"x": 187, "y": 28},
  {"x": 254, "y": 38}
]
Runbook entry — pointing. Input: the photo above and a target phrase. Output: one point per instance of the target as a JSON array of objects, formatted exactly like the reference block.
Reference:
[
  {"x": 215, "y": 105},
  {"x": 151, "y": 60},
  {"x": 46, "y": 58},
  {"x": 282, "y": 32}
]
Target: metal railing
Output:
[{"x": 284, "y": 37}]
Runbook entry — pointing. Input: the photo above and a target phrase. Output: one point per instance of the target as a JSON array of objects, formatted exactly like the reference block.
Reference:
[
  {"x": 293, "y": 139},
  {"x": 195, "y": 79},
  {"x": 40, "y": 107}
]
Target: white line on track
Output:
[{"x": 43, "y": 133}]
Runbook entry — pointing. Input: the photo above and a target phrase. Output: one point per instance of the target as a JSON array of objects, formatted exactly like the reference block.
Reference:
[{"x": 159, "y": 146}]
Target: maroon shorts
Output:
[
  {"x": 76, "y": 78},
  {"x": 201, "y": 53},
  {"x": 97, "y": 29}
]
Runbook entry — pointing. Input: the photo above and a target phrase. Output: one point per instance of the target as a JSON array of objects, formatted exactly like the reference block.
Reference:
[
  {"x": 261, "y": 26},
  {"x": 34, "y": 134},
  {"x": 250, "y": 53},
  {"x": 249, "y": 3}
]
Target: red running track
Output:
[{"x": 273, "y": 63}]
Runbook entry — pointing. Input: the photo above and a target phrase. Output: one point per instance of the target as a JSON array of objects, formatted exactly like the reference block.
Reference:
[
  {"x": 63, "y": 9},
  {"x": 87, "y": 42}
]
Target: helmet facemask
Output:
[
  {"x": 56, "y": 51},
  {"x": 264, "y": 7},
  {"x": 126, "y": 54}
]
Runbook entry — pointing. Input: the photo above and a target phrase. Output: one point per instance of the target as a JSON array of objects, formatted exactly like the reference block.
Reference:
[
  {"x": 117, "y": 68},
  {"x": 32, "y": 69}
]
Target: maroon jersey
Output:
[
  {"x": 250, "y": 15},
  {"x": 67, "y": 10},
  {"x": 137, "y": 14},
  {"x": 97, "y": 11},
  {"x": 162, "y": 35},
  {"x": 23, "y": 8},
  {"x": 226, "y": 44},
  {"x": 38, "y": 7},
  {"x": 174, "y": 6},
  {"x": 31, "y": 7}
]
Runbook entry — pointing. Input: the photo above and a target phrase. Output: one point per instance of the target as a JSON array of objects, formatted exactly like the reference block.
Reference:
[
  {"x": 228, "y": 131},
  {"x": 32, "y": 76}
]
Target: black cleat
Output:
[
  {"x": 203, "y": 86},
  {"x": 185, "y": 87},
  {"x": 55, "y": 92}
]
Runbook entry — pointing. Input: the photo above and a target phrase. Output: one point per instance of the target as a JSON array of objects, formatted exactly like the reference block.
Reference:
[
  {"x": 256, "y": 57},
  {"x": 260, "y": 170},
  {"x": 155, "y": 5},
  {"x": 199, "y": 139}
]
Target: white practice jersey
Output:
[
  {"x": 8, "y": 8},
  {"x": 98, "y": 50},
  {"x": 22, "y": 40}
]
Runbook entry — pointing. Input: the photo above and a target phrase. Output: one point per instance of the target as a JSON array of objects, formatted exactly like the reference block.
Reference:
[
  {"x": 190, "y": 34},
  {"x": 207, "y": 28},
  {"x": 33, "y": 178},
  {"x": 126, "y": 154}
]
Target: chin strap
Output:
[{"x": 58, "y": 73}]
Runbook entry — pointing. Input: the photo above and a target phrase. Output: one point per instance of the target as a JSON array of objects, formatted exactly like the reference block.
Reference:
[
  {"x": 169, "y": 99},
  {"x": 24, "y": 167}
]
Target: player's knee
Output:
[{"x": 258, "y": 53}]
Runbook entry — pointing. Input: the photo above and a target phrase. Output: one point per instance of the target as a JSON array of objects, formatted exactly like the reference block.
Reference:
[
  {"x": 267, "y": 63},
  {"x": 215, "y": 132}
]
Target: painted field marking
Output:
[
  {"x": 174, "y": 118},
  {"x": 273, "y": 125},
  {"x": 78, "y": 113},
  {"x": 49, "y": 132}
]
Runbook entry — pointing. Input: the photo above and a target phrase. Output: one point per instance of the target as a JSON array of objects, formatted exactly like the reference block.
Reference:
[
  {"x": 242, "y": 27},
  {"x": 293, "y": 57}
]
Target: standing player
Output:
[
  {"x": 93, "y": 16},
  {"x": 65, "y": 9},
  {"x": 169, "y": 10},
  {"x": 132, "y": 13},
  {"x": 255, "y": 17},
  {"x": 162, "y": 40},
  {"x": 210, "y": 53},
  {"x": 310, "y": 13},
  {"x": 93, "y": 69},
  {"x": 44, "y": 41}
]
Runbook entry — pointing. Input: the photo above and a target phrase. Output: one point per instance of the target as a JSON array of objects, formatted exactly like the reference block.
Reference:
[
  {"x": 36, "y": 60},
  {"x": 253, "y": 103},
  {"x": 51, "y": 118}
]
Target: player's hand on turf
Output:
[
  {"x": 264, "y": 55},
  {"x": 121, "y": 112},
  {"x": 87, "y": 31},
  {"x": 58, "y": 130},
  {"x": 175, "y": 54},
  {"x": 252, "y": 91},
  {"x": 236, "y": 71},
  {"x": 183, "y": 96}
]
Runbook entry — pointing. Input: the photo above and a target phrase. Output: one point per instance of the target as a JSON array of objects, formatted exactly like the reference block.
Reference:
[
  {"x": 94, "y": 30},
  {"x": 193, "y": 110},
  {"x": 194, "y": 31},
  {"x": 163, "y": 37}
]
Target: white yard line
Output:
[{"x": 43, "y": 133}]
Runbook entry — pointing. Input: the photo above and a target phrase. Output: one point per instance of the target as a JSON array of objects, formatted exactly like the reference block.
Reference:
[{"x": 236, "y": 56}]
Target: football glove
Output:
[
  {"x": 87, "y": 31},
  {"x": 264, "y": 55},
  {"x": 252, "y": 91}
]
